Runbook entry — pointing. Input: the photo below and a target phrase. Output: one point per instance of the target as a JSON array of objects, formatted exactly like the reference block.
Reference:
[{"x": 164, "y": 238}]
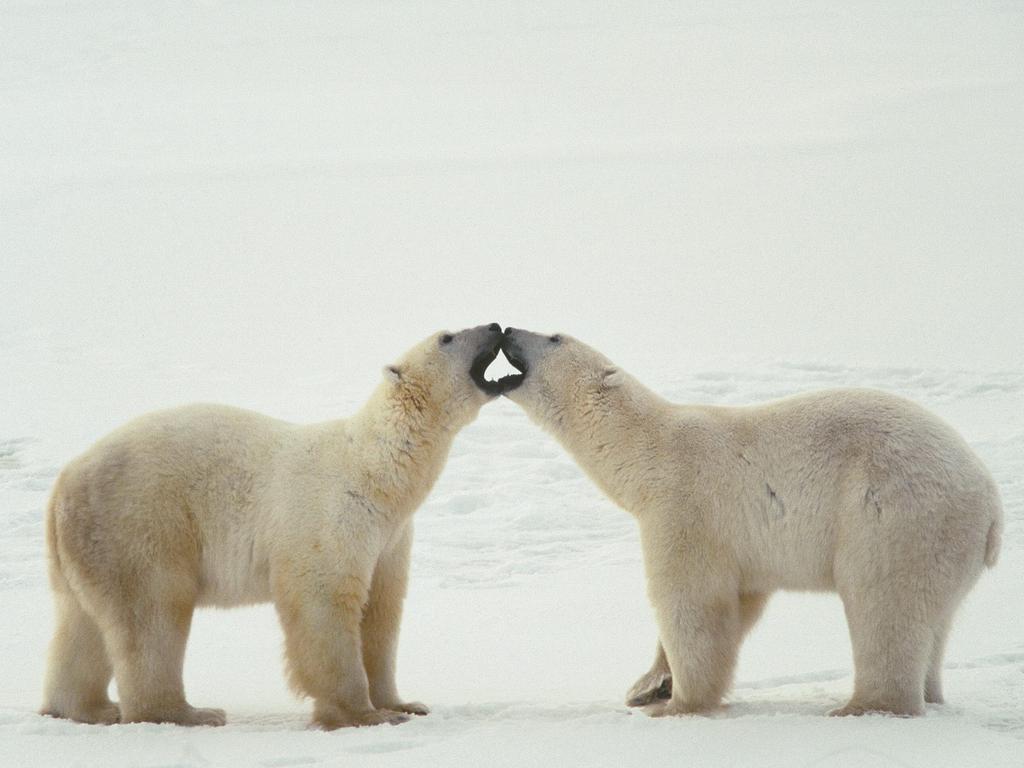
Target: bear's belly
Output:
[
  {"x": 799, "y": 574},
  {"x": 791, "y": 554},
  {"x": 233, "y": 572}
]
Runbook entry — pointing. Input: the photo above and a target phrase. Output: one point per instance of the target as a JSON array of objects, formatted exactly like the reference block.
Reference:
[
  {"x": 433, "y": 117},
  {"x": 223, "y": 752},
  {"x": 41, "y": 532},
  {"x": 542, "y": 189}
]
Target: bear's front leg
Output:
[
  {"x": 320, "y": 604},
  {"x": 700, "y": 634},
  {"x": 656, "y": 684},
  {"x": 697, "y": 607},
  {"x": 381, "y": 621},
  {"x": 653, "y": 685}
]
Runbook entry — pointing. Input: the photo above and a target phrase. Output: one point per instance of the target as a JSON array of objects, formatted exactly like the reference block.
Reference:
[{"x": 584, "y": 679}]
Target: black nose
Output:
[
  {"x": 494, "y": 327},
  {"x": 508, "y": 331}
]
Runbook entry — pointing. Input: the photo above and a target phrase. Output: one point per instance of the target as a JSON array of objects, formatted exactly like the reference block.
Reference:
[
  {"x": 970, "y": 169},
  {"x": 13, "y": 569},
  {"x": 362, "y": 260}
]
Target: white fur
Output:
[
  {"x": 211, "y": 505},
  {"x": 853, "y": 491}
]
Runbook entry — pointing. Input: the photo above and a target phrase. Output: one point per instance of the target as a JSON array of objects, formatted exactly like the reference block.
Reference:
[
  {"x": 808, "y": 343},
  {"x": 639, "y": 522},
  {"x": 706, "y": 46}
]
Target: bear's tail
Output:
[{"x": 993, "y": 542}]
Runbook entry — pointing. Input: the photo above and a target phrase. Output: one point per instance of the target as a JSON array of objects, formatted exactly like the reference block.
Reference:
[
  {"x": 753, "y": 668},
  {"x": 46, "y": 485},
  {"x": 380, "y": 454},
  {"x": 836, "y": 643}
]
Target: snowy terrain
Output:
[{"x": 262, "y": 204}]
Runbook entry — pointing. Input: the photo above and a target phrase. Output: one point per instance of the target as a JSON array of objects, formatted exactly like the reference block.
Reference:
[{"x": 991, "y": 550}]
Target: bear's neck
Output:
[
  {"x": 402, "y": 450},
  {"x": 617, "y": 438}
]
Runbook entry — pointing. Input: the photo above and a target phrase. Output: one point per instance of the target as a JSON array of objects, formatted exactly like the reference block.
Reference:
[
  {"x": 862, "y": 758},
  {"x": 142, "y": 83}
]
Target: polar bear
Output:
[
  {"x": 211, "y": 505},
  {"x": 852, "y": 491}
]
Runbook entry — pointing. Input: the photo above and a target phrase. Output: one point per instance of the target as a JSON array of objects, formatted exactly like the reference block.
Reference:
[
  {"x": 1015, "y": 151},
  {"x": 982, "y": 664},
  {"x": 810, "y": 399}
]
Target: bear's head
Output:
[
  {"x": 442, "y": 377},
  {"x": 558, "y": 374}
]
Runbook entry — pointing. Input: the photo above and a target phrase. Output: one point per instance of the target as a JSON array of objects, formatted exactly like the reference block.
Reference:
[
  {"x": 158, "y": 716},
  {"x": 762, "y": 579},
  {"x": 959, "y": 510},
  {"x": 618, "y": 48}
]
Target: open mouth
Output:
[
  {"x": 495, "y": 387},
  {"x": 513, "y": 380}
]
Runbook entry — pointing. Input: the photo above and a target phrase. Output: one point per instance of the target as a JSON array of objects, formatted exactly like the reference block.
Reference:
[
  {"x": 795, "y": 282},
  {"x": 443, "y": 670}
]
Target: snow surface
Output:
[{"x": 262, "y": 204}]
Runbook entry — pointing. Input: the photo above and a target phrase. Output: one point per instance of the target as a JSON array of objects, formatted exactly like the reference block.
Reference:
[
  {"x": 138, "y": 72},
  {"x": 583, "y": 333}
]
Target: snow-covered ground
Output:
[{"x": 262, "y": 204}]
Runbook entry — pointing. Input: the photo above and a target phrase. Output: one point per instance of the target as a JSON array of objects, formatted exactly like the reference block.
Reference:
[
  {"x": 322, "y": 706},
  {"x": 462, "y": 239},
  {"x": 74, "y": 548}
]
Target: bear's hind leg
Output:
[
  {"x": 147, "y": 642},
  {"x": 891, "y": 638},
  {"x": 933, "y": 678},
  {"x": 79, "y": 671}
]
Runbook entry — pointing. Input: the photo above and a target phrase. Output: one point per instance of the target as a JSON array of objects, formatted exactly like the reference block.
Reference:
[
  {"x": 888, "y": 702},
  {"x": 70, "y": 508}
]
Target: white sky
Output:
[{"x": 280, "y": 189}]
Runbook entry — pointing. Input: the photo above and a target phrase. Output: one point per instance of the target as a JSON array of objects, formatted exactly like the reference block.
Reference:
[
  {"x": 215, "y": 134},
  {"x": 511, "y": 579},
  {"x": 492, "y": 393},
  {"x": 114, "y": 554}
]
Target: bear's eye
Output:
[
  {"x": 447, "y": 338},
  {"x": 555, "y": 339}
]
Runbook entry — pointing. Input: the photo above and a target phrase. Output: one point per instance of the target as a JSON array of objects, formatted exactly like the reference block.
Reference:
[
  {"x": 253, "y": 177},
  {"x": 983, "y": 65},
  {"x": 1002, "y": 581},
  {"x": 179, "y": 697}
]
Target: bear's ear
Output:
[
  {"x": 393, "y": 373},
  {"x": 612, "y": 377}
]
